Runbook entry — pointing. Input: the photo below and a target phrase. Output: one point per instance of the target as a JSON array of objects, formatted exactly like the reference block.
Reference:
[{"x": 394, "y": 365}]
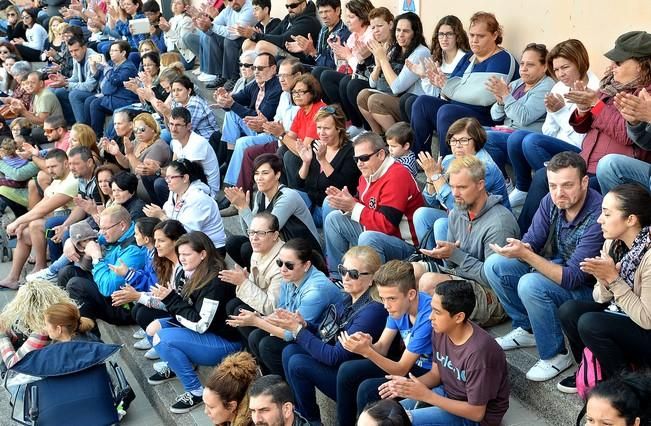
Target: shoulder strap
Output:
[{"x": 548, "y": 248}]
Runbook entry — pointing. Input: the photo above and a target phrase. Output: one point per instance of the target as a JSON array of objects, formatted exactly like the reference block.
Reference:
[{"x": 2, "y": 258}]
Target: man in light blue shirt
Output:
[{"x": 218, "y": 45}]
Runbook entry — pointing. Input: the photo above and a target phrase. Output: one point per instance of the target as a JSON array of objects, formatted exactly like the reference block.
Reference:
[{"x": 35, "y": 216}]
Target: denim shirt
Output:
[{"x": 311, "y": 296}]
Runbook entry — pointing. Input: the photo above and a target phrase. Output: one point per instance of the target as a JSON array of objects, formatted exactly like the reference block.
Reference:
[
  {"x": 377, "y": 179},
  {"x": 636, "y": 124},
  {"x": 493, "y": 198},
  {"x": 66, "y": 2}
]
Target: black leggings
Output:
[
  {"x": 143, "y": 315},
  {"x": 18, "y": 209},
  {"x": 239, "y": 249},
  {"x": 268, "y": 350},
  {"x": 614, "y": 339},
  {"x": 233, "y": 308},
  {"x": 342, "y": 89}
]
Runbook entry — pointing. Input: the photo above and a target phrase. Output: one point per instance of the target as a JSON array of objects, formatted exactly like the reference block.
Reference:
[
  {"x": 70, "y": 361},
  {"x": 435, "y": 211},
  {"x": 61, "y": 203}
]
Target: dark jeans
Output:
[
  {"x": 343, "y": 89},
  {"x": 143, "y": 315},
  {"x": 97, "y": 114},
  {"x": 406, "y": 103},
  {"x": 29, "y": 54},
  {"x": 429, "y": 114},
  {"x": 156, "y": 188},
  {"x": 69, "y": 272},
  {"x": 537, "y": 191},
  {"x": 614, "y": 339},
  {"x": 239, "y": 249},
  {"x": 233, "y": 307},
  {"x": 304, "y": 374},
  {"x": 94, "y": 305},
  {"x": 226, "y": 50},
  {"x": 357, "y": 385},
  {"x": 268, "y": 350},
  {"x": 18, "y": 209}
]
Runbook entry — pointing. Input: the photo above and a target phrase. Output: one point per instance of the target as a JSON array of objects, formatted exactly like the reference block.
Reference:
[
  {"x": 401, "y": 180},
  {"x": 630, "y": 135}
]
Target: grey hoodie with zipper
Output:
[{"x": 493, "y": 225}]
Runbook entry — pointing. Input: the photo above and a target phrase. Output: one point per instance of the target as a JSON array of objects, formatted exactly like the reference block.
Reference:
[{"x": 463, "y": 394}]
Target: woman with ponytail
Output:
[
  {"x": 225, "y": 396},
  {"x": 64, "y": 323}
]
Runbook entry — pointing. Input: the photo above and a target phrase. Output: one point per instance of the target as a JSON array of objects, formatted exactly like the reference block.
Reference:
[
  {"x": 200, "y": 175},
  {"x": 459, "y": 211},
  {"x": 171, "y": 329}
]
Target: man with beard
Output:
[
  {"x": 536, "y": 275},
  {"x": 271, "y": 403},
  {"x": 477, "y": 222}
]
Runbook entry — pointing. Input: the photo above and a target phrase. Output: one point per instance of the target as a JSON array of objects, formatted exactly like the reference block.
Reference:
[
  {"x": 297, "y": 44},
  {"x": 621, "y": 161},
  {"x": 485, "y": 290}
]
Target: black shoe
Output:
[
  {"x": 567, "y": 385},
  {"x": 161, "y": 376},
  {"x": 185, "y": 403},
  {"x": 217, "y": 83},
  {"x": 229, "y": 85}
]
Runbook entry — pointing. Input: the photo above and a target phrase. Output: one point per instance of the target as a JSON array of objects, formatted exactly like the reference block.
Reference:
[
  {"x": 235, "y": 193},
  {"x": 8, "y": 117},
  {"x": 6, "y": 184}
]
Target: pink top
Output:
[{"x": 351, "y": 44}]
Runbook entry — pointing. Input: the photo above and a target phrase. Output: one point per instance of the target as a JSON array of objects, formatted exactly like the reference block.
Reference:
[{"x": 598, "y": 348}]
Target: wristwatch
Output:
[{"x": 434, "y": 178}]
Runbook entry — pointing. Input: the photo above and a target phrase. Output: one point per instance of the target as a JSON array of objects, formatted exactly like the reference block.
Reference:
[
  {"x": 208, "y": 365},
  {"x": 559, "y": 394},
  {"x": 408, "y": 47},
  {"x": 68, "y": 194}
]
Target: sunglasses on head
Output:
[
  {"x": 329, "y": 109},
  {"x": 289, "y": 265},
  {"x": 365, "y": 157},
  {"x": 352, "y": 273},
  {"x": 293, "y": 5}
]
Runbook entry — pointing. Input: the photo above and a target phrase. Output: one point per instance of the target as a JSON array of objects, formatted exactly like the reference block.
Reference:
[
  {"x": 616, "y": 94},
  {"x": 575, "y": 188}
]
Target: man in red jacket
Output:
[{"x": 382, "y": 214}]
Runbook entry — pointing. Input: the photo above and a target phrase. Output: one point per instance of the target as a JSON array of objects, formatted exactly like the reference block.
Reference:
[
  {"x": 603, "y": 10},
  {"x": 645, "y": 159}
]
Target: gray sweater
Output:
[{"x": 494, "y": 224}]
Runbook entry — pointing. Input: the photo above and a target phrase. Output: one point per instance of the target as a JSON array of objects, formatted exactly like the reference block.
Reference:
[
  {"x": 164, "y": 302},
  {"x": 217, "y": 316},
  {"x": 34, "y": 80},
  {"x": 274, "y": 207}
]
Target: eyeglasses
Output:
[
  {"x": 25, "y": 17},
  {"x": 259, "y": 67},
  {"x": 445, "y": 35},
  {"x": 139, "y": 129},
  {"x": 365, "y": 157},
  {"x": 283, "y": 76},
  {"x": 293, "y": 5},
  {"x": 259, "y": 234},
  {"x": 242, "y": 64},
  {"x": 48, "y": 131},
  {"x": 352, "y": 273},
  {"x": 105, "y": 230},
  {"x": 170, "y": 177},
  {"x": 460, "y": 141},
  {"x": 300, "y": 92},
  {"x": 288, "y": 265}
]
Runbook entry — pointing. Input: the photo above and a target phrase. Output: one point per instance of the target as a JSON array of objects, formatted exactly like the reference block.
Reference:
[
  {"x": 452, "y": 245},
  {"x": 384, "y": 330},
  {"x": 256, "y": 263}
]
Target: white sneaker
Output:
[
  {"x": 518, "y": 338},
  {"x": 353, "y": 131},
  {"x": 140, "y": 334},
  {"x": 550, "y": 368},
  {"x": 517, "y": 197},
  {"x": 42, "y": 275},
  {"x": 142, "y": 344},
  {"x": 206, "y": 77},
  {"x": 152, "y": 354},
  {"x": 196, "y": 71}
]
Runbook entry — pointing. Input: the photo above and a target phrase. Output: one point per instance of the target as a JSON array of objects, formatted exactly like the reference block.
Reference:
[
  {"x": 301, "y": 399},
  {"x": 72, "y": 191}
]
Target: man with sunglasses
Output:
[
  {"x": 219, "y": 47},
  {"x": 301, "y": 20},
  {"x": 382, "y": 216}
]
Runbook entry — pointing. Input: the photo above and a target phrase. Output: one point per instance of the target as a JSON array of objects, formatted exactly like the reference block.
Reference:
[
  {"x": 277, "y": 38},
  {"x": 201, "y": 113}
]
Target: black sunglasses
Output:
[
  {"x": 293, "y": 5},
  {"x": 242, "y": 64},
  {"x": 352, "y": 273},
  {"x": 365, "y": 157},
  {"x": 288, "y": 265}
]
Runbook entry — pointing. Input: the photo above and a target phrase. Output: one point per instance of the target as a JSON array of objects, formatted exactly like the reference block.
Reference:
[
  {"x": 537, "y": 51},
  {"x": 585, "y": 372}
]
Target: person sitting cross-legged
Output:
[{"x": 534, "y": 276}]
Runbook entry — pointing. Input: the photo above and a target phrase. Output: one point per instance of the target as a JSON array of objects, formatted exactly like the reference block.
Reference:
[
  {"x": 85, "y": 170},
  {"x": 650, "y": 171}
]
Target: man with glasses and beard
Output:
[
  {"x": 382, "y": 215},
  {"x": 301, "y": 20},
  {"x": 478, "y": 220}
]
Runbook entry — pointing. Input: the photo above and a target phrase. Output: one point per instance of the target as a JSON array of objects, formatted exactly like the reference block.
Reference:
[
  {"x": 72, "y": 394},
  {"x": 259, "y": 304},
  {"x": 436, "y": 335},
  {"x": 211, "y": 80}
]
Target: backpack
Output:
[{"x": 588, "y": 374}]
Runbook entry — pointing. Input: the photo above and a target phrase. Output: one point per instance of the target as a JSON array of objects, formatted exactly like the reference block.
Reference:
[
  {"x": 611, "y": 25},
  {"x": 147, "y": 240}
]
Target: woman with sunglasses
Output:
[
  {"x": 327, "y": 161},
  {"x": 196, "y": 332},
  {"x": 149, "y": 154},
  {"x": 304, "y": 289},
  {"x": 14, "y": 26},
  {"x": 190, "y": 202},
  {"x": 33, "y": 44},
  {"x": 390, "y": 76},
  {"x": 258, "y": 287},
  {"x": 521, "y": 105},
  {"x": 313, "y": 360},
  {"x": 8, "y": 56},
  {"x": 465, "y": 137},
  {"x": 294, "y": 218}
]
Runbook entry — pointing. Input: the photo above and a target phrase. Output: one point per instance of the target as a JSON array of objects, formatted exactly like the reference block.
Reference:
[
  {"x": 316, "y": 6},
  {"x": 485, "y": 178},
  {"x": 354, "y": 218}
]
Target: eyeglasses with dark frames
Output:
[
  {"x": 365, "y": 157},
  {"x": 459, "y": 141},
  {"x": 445, "y": 34},
  {"x": 258, "y": 234},
  {"x": 352, "y": 273},
  {"x": 300, "y": 92}
]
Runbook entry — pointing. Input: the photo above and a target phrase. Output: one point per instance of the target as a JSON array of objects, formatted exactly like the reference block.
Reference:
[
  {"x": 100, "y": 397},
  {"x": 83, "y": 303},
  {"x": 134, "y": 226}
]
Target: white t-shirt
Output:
[
  {"x": 36, "y": 37},
  {"x": 68, "y": 186},
  {"x": 198, "y": 149}
]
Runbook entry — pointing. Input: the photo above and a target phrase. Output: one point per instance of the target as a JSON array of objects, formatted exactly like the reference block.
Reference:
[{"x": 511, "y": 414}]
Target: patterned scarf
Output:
[
  {"x": 610, "y": 87},
  {"x": 631, "y": 260}
]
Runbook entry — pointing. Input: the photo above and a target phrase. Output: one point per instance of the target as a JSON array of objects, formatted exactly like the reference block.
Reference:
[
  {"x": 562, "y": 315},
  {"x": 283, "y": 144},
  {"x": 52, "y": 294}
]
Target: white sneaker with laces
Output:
[
  {"x": 517, "y": 197},
  {"x": 509, "y": 185},
  {"x": 546, "y": 369},
  {"x": 142, "y": 344},
  {"x": 140, "y": 334},
  {"x": 42, "y": 275},
  {"x": 206, "y": 77},
  {"x": 152, "y": 354},
  {"x": 518, "y": 338}
]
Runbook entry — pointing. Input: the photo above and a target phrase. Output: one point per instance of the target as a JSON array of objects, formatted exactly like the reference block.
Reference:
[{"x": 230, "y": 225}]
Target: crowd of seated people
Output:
[{"x": 391, "y": 199}]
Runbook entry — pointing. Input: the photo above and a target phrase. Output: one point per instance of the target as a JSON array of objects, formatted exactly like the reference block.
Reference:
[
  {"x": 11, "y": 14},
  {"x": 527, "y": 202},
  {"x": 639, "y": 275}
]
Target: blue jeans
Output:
[
  {"x": 387, "y": 246},
  {"x": 72, "y": 103},
  {"x": 241, "y": 144},
  {"x": 532, "y": 300},
  {"x": 424, "y": 219},
  {"x": 96, "y": 114},
  {"x": 181, "y": 347},
  {"x": 59, "y": 264},
  {"x": 234, "y": 127},
  {"x": 319, "y": 213},
  {"x": 341, "y": 233},
  {"x": 434, "y": 416},
  {"x": 615, "y": 169},
  {"x": 539, "y": 148},
  {"x": 304, "y": 374},
  {"x": 55, "y": 249},
  {"x": 429, "y": 114}
]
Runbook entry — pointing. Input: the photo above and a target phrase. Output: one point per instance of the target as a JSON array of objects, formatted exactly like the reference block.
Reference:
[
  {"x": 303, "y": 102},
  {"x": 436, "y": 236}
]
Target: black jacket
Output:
[{"x": 305, "y": 23}]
